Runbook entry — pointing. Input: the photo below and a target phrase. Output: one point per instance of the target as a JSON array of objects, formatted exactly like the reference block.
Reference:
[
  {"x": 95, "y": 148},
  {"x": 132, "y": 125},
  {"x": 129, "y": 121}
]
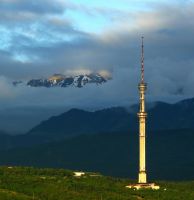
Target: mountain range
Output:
[
  {"x": 60, "y": 80},
  {"x": 161, "y": 116},
  {"x": 107, "y": 141}
]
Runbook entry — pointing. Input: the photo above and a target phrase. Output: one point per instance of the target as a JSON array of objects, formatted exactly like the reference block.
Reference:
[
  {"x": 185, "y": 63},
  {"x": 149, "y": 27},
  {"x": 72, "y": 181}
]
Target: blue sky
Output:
[{"x": 96, "y": 17}]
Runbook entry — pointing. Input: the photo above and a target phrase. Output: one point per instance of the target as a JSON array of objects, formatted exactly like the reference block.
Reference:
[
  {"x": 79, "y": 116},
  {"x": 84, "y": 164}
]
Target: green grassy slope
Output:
[{"x": 50, "y": 184}]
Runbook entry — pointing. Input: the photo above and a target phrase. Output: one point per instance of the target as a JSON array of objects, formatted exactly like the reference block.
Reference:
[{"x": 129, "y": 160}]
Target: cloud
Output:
[
  {"x": 39, "y": 43},
  {"x": 6, "y": 91},
  {"x": 168, "y": 45},
  {"x": 42, "y": 7}
]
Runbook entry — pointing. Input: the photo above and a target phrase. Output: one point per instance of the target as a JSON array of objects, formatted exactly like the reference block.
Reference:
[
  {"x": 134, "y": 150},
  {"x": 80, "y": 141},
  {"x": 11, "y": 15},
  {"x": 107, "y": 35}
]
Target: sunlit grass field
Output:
[{"x": 25, "y": 183}]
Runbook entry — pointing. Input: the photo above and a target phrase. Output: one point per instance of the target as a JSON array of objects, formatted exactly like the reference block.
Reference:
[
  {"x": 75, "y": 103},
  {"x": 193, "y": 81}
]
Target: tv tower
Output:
[
  {"x": 142, "y": 115},
  {"x": 142, "y": 178}
]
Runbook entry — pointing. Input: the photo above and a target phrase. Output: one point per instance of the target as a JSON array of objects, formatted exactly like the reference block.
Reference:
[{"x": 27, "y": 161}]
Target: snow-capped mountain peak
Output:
[{"x": 60, "y": 80}]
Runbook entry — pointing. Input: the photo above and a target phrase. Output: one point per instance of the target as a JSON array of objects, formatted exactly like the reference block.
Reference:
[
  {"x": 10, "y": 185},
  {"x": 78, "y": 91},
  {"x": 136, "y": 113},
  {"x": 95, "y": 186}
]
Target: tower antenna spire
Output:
[{"x": 142, "y": 60}]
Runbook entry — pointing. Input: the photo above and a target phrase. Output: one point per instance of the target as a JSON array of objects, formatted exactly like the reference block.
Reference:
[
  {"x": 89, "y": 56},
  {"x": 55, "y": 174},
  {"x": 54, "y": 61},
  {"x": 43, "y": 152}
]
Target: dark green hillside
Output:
[
  {"x": 21, "y": 183},
  {"x": 169, "y": 154}
]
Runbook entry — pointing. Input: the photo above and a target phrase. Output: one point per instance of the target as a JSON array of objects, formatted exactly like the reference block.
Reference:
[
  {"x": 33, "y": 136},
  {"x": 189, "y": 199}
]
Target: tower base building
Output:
[{"x": 138, "y": 186}]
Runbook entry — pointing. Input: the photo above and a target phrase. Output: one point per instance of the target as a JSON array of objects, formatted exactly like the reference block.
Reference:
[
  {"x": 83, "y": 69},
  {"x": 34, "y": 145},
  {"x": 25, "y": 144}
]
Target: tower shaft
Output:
[{"x": 142, "y": 135}]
